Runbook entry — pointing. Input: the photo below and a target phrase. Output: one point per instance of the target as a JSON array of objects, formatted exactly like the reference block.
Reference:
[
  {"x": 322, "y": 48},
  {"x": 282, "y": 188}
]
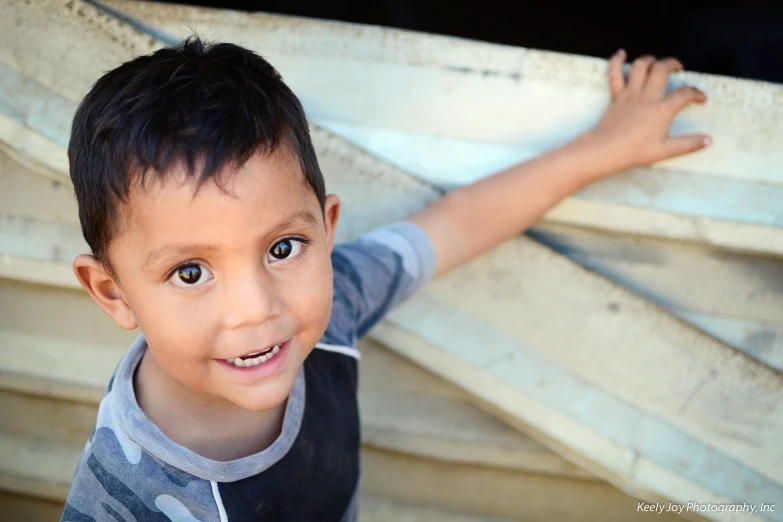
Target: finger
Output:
[
  {"x": 639, "y": 72},
  {"x": 616, "y": 80},
  {"x": 659, "y": 76},
  {"x": 685, "y": 144},
  {"x": 682, "y": 97}
]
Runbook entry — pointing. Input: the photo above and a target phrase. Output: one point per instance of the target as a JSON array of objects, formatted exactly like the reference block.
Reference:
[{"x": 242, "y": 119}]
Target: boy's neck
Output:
[{"x": 220, "y": 432}]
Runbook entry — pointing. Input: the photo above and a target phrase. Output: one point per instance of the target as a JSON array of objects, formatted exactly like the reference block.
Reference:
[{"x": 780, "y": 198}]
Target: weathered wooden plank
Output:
[
  {"x": 733, "y": 297},
  {"x": 450, "y": 162},
  {"x": 38, "y": 311},
  {"x": 30, "y": 104},
  {"x": 588, "y": 422},
  {"x": 60, "y": 47},
  {"x": 23, "y": 194},
  {"x": 761, "y": 341},
  {"x": 35, "y": 123},
  {"x": 32, "y": 468},
  {"x": 503, "y": 493},
  {"x": 67, "y": 362},
  {"x": 409, "y": 410},
  {"x": 66, "y": 45},
  {"x": 373, "y": 509},
  {"x": 26, "y": 144},
  {"x": 39, "y": 418},
  {"x": 44, "y": 241},
  {"x": 21, "y": 508},
  {"x": 32, "y": 271},
  {"x": 691, "y": 276}
]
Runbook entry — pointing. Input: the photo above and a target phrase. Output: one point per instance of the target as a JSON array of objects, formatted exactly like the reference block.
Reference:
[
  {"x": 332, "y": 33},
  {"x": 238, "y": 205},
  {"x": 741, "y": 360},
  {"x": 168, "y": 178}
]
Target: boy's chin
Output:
[
  {"x": 260, "y": 406},
  {"x": 265, "y": 398}
]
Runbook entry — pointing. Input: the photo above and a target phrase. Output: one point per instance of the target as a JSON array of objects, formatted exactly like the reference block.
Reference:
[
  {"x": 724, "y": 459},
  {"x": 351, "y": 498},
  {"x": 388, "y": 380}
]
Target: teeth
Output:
[{"x": 254, "y": 361}]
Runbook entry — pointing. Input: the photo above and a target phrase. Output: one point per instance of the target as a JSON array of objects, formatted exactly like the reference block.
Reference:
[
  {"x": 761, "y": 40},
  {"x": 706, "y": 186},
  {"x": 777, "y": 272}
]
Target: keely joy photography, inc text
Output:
[{"x": 704, "y": 507}]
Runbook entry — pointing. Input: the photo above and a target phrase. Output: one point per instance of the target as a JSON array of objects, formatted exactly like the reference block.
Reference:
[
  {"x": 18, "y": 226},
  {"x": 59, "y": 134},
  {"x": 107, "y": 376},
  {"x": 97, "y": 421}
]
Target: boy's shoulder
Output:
[
  {"x": 117, "y": 477},
  {"x": 375, "y": 273}
]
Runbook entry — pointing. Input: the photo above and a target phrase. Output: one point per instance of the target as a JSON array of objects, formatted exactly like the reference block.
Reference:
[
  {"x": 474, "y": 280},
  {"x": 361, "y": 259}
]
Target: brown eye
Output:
[
  {"x": 285, "y": 249},
  {"x": 282, "y": 249},
  {"x": 190, "y": 275}
]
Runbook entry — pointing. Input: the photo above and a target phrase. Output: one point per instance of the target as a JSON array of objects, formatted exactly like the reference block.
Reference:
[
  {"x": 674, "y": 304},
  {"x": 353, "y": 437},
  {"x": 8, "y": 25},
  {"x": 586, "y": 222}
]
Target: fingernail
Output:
[
  {"x": 707, "y": 141},
  {"x": 621, "y": 51}
]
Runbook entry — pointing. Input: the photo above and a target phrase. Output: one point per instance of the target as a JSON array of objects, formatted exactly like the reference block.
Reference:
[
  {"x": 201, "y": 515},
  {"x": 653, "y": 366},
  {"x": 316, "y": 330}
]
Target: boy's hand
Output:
[{"x": 634, "y": 129}]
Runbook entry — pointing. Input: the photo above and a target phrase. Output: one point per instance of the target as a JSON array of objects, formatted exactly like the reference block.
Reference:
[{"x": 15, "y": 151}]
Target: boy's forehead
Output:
[
  {"x": 268, "y": 187},
  {"x": 267, "y": 175},
  {"x": 279, "y": 165}
]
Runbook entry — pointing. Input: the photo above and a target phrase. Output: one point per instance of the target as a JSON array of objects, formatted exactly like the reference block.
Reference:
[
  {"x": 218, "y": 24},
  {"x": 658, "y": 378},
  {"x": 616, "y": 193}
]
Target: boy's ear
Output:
[
  {"x": 331, "y": 216},
  {"x": 101, "y": 286}
]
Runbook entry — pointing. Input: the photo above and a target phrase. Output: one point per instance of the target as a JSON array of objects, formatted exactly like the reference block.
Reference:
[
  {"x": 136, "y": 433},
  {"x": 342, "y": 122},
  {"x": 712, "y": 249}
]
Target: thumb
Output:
[{"x": 685, "y": 144}]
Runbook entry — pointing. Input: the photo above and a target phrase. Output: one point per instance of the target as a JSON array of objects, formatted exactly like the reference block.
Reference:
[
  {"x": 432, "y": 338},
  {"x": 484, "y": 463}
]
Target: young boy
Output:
[{"x": 211, "y": 230}]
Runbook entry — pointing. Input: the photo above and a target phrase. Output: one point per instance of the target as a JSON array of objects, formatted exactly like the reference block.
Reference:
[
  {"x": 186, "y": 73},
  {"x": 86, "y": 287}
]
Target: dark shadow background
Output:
[{"x": 734, "y": 38}]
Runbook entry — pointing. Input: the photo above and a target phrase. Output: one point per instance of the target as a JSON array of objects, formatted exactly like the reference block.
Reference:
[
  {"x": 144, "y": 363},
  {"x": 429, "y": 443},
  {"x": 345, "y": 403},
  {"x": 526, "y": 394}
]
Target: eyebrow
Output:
[{"x": 303, "y": 219}]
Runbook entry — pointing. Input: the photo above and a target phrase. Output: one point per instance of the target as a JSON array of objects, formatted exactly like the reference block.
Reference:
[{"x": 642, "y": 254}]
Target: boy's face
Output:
[{"x": 214, "y": 276}]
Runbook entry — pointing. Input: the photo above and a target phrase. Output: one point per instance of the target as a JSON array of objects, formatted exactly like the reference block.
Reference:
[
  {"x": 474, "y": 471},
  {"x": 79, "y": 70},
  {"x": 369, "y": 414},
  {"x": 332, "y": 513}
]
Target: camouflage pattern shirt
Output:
[{"x": 131, "y": 472}]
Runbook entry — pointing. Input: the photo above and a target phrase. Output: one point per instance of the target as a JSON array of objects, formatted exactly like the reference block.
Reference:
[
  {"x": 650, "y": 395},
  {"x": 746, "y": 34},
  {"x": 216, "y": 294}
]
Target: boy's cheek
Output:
[{"x": 176, "y": 331}]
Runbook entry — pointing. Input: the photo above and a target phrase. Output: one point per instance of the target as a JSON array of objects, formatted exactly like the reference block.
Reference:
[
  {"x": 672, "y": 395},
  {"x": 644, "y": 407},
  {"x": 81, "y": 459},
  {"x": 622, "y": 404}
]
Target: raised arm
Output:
[{"x": 633, "y": 131}]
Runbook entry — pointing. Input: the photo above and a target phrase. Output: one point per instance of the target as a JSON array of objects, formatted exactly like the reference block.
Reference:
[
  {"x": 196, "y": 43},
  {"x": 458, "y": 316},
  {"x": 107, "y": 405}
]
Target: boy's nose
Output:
[{"x": 251, "y": 301}]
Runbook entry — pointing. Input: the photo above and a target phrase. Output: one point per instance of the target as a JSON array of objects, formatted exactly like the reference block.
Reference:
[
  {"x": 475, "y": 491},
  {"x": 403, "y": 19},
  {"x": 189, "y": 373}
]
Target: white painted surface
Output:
[{"x": 467, "y": 90}]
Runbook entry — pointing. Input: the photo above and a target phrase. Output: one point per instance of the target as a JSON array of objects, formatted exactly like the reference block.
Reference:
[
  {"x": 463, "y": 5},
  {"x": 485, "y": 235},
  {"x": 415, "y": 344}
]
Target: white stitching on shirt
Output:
[
  {"x": 345, "y": 350},
  {"x": 219, "y": 501}
]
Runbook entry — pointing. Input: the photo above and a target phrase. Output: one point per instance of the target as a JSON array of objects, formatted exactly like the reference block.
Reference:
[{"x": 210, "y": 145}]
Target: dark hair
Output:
[{"x": 202, "y": 105}]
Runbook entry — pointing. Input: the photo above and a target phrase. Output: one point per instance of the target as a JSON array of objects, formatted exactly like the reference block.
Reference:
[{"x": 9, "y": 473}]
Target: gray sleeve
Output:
[{"x": 377, "y": 272}]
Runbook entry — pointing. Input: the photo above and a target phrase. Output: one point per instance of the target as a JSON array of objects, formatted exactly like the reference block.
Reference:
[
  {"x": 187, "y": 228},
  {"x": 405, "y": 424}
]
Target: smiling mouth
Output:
[{"x": 255, "y": 358}]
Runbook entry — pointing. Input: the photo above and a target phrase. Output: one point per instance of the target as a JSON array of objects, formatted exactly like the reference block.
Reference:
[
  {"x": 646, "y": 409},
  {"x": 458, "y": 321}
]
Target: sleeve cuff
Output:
[{"x": 412, "y": 244}]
